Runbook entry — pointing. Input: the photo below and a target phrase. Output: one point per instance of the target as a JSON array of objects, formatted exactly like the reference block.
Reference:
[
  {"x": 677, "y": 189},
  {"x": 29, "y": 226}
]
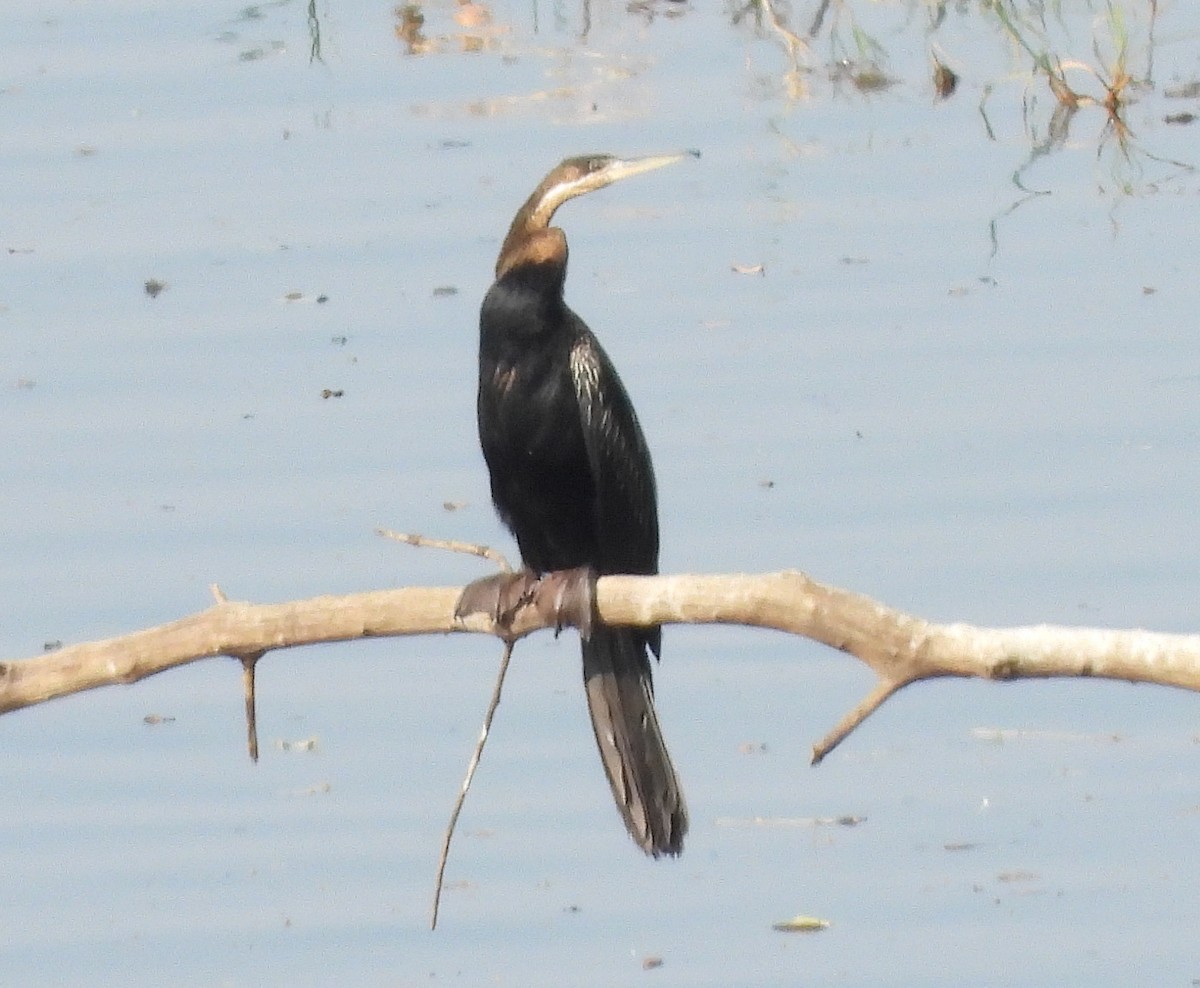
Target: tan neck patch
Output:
[{"x": 542, "y": 247}]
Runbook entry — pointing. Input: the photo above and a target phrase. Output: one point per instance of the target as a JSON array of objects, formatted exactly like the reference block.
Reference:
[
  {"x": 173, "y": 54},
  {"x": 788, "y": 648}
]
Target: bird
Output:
[{"x": 572, "y": 479}]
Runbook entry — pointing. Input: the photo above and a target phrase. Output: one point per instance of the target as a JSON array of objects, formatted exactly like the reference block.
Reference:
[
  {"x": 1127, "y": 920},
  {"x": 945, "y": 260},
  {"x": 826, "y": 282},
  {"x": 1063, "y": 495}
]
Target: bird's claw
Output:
[
  {"x": 569, "y": 596},
  {"x": 565, "y": 597},
  {"x": 499, "y": 596}
]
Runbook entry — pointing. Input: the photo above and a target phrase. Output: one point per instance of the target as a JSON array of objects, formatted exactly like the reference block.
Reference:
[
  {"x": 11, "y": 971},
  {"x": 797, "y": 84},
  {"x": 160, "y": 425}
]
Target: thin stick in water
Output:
[{"x": 476, "y": 755}]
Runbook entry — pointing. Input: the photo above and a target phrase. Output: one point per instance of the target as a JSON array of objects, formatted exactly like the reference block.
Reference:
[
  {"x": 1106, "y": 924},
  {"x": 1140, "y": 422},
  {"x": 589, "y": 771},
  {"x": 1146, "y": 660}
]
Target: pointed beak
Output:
[{"x": 627, "y": 167}]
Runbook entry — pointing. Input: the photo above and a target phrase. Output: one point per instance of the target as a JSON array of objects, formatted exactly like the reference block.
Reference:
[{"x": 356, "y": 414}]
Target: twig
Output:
[
  {"x": 867, "y": 706},
  {"x": 249, "y": 664},
  {"x": 449, "y": 545},
  {"x": 476, "y": 755}
]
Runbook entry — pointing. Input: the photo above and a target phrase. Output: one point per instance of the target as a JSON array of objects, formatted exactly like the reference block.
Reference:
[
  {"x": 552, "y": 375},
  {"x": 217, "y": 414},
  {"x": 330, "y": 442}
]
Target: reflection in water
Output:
[
  {"x": 475, "y": 19},
  {"x": 864, "y": 42},
  {"x": 650, "y": 10},
  {"x": 314, "y": 33},
  {"x": 409, "y": 22},
  {"x": 795, "y": 46}
]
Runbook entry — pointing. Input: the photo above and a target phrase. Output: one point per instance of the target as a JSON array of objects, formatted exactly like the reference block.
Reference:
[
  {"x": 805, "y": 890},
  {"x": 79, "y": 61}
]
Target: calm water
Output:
[{"x": 970, "y": 401}]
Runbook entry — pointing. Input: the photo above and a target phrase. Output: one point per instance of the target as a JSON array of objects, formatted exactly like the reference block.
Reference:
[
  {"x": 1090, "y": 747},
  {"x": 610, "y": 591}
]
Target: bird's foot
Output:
[
  {"x": 565, "y": 597},
  {"x": 499, "y": 596},
  {"x": 568, "y": 595}
]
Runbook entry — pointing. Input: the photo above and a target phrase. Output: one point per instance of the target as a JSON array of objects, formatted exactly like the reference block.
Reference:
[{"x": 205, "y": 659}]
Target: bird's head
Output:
[{"x": 530, "y": 238}]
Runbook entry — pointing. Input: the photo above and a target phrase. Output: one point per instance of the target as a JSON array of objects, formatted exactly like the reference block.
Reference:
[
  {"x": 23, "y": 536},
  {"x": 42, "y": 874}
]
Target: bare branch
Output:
[
  {"x": 234, "y": 629},
  {"x": 900, "y": 648}
]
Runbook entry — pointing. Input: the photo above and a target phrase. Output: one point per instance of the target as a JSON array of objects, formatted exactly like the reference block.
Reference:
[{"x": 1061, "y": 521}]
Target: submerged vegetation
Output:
[
  {"x": 1061, "y": 57},
  {"x": 1052, "y": 61}
]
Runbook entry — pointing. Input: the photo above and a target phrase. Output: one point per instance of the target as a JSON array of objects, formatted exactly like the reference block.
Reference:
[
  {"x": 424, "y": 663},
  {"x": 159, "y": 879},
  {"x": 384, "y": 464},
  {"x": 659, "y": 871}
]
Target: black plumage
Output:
[{"x": 571, "y": 476}]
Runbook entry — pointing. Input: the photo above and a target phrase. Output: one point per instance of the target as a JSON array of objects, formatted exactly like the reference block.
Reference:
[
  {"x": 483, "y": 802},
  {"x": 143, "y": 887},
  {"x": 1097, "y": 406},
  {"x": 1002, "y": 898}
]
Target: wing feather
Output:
[{"x": 625, "y": 499}]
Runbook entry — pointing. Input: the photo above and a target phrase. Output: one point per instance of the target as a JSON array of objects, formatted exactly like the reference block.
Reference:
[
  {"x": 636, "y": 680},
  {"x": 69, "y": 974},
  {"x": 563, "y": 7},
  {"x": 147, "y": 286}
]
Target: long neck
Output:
[{"x": 531, "y": 239}]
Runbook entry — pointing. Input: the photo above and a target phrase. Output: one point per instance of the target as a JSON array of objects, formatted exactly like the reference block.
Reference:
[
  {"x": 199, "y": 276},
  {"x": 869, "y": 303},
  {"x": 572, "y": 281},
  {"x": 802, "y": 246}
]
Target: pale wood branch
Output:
[{"x": 901, "y": 649}]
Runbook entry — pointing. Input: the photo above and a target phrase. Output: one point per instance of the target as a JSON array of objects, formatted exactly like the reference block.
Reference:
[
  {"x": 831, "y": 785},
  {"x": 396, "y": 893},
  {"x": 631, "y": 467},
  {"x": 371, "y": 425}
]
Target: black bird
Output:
[{"x": 571, "y": 477}]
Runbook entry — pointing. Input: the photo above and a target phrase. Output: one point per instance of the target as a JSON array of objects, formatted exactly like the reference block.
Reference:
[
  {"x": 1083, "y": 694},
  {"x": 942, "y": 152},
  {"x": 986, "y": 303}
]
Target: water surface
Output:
[{"x": 969, "y": 401}]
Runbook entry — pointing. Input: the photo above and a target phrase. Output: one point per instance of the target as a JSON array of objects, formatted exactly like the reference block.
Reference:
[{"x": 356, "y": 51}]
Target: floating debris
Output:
[
  {"x": 1018, "y": 876},
  {"x": 801, "y": 924},
  {"x": 1002, "y": 734},
  {"x": 945, "y": 80},
  {"x": 793, "y": 821},
  {"x": 305, "y": 744},
  {"x": 1189, "y": 90},
  {"x": 313, "y": 790}
]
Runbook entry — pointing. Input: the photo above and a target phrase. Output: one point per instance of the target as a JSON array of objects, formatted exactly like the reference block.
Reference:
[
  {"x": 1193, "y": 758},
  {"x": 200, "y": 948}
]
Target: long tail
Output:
[{"x": 620, "y": 694}]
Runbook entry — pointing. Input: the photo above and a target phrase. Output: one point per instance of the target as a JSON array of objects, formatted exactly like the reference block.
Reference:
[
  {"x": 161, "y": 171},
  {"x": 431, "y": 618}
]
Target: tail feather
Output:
[{"x": 620, "y": 694}]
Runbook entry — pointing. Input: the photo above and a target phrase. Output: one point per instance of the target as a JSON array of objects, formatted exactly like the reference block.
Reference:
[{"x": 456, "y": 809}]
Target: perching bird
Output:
[{"x": 571, "y": 477}]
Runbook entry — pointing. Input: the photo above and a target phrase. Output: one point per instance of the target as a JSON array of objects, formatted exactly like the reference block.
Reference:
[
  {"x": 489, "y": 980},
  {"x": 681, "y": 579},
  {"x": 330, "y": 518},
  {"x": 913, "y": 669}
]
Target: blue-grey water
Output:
[{"x": 966, "y": 382}]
